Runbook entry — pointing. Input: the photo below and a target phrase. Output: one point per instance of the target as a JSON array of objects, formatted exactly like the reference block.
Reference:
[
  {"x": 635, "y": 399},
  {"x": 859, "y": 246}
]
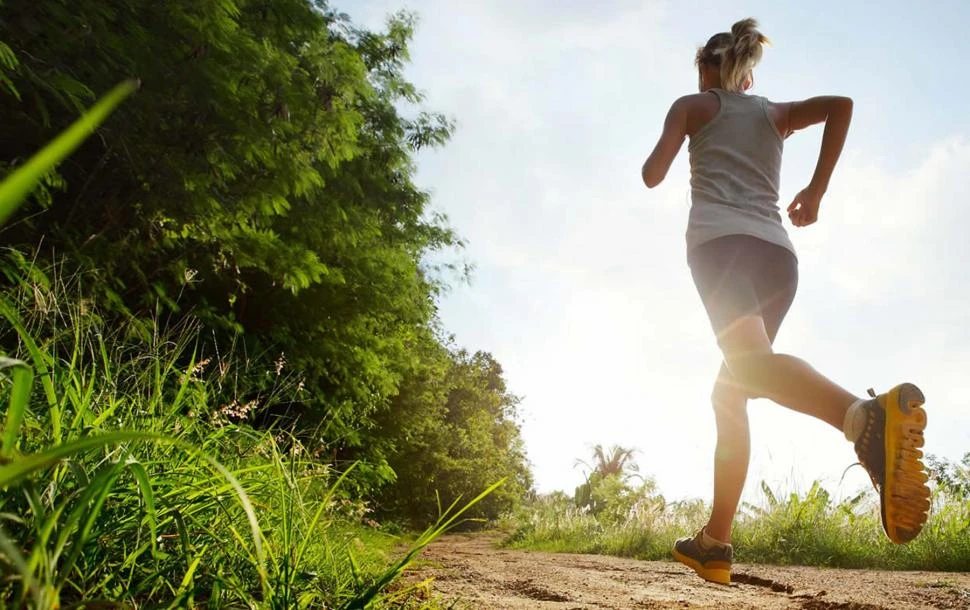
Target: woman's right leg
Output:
[
  {"x": 747, "y": 286},
  {"x": 889, "y": 443},
  {"x": 785, "y": 379},
  {"x": 887, "y": 436}
]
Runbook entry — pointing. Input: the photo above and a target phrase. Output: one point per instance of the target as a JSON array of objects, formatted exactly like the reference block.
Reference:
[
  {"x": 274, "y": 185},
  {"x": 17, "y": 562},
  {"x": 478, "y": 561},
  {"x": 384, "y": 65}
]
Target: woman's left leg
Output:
[
  {"x": 731, "y": 455},
  {"x": 775, "y": 285}
]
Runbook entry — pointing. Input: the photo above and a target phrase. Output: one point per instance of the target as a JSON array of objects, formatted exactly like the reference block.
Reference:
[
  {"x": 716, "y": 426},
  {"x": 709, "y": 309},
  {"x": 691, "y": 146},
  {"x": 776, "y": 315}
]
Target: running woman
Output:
[{"x": 745, "y": 270}]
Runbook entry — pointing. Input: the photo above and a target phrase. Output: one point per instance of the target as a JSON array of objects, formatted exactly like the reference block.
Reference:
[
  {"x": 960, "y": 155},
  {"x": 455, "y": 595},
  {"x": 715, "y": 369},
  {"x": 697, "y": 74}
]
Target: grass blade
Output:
[
  {"x": 146, "y": 493},
  {"x": 23, "y": 378},
  {"x": 18, "y": 470},
  {"x": 42, "y": 363},
  {"x": 183, "y": 597},
  {"x": 445, "y": 522},
  {"x": 101, "y": 488},
  {"x": 18, "y": 185},
  {"x": 183, "y": 533},
  {"x": 14, "y": 557}
]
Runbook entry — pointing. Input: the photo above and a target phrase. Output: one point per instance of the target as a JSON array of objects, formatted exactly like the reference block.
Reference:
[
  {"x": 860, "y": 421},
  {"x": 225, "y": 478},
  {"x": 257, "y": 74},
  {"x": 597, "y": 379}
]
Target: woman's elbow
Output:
[
  {"x": 841, "y": 105},
  {"x": 651, "y": 178}
]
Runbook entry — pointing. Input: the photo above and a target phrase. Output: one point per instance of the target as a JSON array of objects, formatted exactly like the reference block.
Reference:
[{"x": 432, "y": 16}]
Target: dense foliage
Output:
[{"x": 261, "y": 182}]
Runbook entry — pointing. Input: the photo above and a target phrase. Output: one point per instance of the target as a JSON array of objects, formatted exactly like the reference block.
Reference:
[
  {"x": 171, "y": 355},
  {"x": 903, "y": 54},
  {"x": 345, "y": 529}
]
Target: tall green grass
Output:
[
  {"x": 122, "y": 481},
  {"x": 807, "y": 528}
]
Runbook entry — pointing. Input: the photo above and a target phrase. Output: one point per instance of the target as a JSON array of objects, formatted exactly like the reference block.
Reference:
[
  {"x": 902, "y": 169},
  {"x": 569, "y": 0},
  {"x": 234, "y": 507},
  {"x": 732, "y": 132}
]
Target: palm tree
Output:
[{"x": 617, "y": 462}]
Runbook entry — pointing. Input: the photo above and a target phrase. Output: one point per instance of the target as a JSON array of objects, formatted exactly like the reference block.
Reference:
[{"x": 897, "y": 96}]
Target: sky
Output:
[{"x": 581, "y": 289}]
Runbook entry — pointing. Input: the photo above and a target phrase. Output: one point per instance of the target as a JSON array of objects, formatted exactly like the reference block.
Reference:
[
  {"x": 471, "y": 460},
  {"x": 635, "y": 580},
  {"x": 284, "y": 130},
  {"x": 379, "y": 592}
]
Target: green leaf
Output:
[
  {"x": 7, "y": 58},
  {"x": 185, "y": 587},
  {"x": 42, "y": 362}
]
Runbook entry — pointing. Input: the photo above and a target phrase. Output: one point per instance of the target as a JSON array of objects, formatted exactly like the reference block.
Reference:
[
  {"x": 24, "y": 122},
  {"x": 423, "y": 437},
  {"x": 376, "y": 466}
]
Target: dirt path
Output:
[{"x": 471, "y": 570}]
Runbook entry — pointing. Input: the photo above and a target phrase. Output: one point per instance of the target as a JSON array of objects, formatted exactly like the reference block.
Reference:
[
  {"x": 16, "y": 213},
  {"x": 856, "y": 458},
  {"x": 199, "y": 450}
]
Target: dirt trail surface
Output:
[{"x": 473, "y": 572}]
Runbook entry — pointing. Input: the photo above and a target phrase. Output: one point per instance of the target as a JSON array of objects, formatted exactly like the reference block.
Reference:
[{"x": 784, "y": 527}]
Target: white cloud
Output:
[{"x": 884, "y": 233}]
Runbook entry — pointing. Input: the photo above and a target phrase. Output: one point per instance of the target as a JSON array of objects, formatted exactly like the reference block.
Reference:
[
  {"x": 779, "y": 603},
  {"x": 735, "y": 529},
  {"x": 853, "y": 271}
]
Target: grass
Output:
[
  {"x": 124, "y": 481},
  {"x": 787, "y": 529},
  {"x": 811, "y": 529}
]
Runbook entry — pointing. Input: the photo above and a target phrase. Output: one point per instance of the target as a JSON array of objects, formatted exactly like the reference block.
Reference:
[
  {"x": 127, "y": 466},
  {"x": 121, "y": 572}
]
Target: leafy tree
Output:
[{"x": 452, "y": 432}]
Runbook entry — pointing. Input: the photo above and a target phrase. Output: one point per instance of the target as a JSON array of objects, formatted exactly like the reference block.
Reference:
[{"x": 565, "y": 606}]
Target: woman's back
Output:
[{"x": 735, "y": 162}]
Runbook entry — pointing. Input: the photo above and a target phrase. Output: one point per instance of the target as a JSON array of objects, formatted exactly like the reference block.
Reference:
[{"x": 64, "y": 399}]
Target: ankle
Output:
[
  {"x": 854, "y": 420},
  {"x": 714, "y": 538}
]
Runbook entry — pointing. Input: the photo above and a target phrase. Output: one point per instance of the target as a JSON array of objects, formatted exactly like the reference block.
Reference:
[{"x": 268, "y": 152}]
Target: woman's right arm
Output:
[{"x": 836, "y": 113}]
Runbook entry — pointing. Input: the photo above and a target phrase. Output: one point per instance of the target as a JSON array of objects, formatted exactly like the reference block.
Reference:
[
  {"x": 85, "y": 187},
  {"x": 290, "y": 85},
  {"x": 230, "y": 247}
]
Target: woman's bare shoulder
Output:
[{"x": 700, "y": 108}]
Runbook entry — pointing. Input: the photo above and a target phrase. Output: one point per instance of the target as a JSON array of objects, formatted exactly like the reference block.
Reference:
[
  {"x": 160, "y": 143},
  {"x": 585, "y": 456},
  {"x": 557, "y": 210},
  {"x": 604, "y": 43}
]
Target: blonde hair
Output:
[{"x": 736, "y": 53}]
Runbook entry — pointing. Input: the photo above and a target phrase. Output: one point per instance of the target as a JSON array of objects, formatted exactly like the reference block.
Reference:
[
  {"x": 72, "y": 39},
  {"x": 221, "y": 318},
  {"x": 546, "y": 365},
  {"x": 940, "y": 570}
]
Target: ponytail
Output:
[{"x": 736, "y": 53}]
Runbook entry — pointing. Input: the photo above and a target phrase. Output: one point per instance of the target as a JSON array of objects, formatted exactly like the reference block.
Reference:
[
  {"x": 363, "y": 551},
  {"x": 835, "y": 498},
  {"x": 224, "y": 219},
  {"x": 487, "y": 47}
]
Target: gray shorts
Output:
[{"x": 739, "y": 275}]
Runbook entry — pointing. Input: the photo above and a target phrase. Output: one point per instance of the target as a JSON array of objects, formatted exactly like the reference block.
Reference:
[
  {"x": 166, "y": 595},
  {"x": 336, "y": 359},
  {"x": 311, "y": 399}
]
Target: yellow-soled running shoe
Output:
[
  {"x": 889, "y": 450},
  {"x": 712, "y": 564}
]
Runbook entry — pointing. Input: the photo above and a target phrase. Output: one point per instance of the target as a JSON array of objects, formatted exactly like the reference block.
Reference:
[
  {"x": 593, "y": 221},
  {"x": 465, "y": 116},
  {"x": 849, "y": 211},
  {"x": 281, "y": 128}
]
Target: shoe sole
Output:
[
  {"x": 906, "y": 496},
  {"x": 715, "y": 573}
]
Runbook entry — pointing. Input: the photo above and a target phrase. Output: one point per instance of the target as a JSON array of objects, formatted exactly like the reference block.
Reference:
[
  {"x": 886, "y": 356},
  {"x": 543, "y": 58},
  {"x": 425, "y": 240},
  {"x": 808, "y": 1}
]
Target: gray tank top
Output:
[{"x": 735, "y": 171}]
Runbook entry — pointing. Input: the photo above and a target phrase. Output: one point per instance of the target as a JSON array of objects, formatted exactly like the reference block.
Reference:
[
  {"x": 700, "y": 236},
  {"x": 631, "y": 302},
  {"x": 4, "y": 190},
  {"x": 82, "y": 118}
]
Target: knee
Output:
[
  {"x": 728, "y": 398},
  {"x": 747, "y": 367}
]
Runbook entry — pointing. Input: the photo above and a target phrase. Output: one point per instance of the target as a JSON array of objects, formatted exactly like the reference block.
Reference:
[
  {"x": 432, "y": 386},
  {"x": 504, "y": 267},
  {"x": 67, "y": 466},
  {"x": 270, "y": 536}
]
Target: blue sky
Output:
[{"x": 581, "y": 289}]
